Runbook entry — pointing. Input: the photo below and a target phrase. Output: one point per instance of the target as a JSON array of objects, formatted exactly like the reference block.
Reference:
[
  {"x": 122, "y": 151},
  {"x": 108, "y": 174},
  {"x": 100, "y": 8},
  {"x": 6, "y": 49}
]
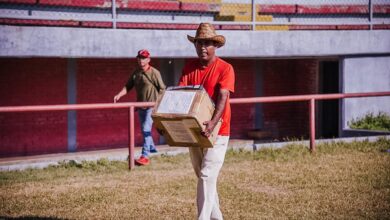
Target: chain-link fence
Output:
[{"x": 187, "y": 14}]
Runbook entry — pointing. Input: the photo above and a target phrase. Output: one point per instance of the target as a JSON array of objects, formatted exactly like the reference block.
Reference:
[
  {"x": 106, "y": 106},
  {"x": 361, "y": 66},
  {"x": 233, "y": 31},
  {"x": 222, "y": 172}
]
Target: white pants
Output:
[{"x": 207, "y": 162}]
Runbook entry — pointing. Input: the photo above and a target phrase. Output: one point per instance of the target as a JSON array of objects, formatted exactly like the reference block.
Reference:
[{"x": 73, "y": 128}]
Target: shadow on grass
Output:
[{"x": 30, "y": 218}]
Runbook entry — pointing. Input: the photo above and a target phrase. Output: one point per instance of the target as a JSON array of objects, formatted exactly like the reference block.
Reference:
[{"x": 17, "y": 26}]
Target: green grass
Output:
[
  {"x": 339, "y": 181},
  {"x": 380, "y": 122}
]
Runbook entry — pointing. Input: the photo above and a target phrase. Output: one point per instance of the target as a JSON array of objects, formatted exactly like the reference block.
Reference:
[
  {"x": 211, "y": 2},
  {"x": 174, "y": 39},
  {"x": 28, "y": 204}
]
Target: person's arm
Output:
[
  {"x": 223, "y": 95},
  {"x": 120, "y": 94},
  {"x": 129, "y": 85},
  {"x": 160, "y": 82}
]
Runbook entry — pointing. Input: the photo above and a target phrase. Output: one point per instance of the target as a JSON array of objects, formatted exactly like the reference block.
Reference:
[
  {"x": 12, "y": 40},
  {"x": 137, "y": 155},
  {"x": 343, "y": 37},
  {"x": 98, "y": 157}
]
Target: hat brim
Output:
[{"x": 218, "y": 39}]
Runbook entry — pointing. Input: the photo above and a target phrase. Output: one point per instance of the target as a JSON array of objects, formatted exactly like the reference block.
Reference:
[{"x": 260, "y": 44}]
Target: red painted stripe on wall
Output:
[
  {"x": 312, "y": 27},
  {"x": 353, "y": 27},
  {"x": 38, "y": 22},
  {"x": 150, "y": 5},
  {"x": 78, "y": 3},
  {"x": 19, "y": 1},
  {"x": 96, "y": 24},
  {"x": 199, "y": 7},
  {"x": 382, "y": 9},
  {"x": 235, "y": 27},
  {"x": 277, "y": 9},
  {"x": 156, "y": 26},
  {"x": 332, "y": 9},
  {"x": 381, "y": 27}
]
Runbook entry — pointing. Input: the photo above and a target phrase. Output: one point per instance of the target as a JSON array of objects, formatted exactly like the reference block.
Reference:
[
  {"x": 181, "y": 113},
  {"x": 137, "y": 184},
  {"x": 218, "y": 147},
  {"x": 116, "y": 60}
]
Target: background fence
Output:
[
  {"x": 310, "y": 98},
  {"x": 187, "y": 14}
]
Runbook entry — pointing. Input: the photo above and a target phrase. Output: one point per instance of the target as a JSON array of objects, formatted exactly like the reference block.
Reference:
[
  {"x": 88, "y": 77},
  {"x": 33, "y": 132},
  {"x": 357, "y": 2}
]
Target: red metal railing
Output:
[{"x": 131, "y": 105}]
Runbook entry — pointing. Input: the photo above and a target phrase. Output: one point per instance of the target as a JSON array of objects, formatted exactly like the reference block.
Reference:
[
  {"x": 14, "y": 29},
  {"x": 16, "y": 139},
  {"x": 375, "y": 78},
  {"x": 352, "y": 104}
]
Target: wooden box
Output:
[{"x": 180, "y": 112}]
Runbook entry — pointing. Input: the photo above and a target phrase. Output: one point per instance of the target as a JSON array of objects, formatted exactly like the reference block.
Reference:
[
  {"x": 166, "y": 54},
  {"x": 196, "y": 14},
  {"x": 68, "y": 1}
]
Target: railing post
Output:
[
  {"x": 113, "y": 3},
  {"x": 370, "y": 10},
  {"x": 312, "y": 107},
  {"x": 254, "y": 15},
  {"x": 131, "y": 137}
]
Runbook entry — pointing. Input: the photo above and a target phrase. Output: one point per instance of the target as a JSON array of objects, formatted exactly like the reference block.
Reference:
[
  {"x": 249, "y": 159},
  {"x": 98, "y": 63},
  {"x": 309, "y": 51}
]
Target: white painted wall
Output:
[
  {"x": 365, "y": 74},
  {"x": 18, "y": 41}
]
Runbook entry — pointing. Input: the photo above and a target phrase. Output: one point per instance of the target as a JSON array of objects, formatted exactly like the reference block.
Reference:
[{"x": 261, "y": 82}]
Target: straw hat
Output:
[{"x": 206, "y": 31}]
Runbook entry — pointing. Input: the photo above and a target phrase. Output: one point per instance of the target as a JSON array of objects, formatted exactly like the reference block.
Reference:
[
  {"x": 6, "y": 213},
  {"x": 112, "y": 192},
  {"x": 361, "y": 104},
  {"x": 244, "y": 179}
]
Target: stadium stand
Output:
[
  {"x": 243, "y": 12},
  {"x": 298, "y": 13},
  {"x": 186, "y": 14}
]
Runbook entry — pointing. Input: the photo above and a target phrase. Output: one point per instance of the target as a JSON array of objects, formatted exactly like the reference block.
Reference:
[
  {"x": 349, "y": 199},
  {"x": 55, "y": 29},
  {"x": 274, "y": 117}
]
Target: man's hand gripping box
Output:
[{"x": 180, "y": 112}]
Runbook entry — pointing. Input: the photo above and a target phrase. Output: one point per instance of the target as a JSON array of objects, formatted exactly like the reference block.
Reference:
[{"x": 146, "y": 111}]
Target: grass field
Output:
[{"x": 341, "y": 181}]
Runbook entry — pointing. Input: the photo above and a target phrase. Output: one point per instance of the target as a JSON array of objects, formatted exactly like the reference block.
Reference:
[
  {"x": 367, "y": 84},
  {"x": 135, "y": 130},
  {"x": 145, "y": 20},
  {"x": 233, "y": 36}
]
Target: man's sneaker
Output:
[
  {"x": 154, "y": 150},
  {"x": 142, "y": 161}
]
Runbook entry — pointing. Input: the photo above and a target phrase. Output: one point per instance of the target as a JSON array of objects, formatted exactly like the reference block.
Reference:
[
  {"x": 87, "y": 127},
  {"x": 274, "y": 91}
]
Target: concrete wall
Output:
[
  {"x": 32, "y": 81},
  {"x": 26, "y": 82},
  {"x": 288, "y": 77},
  {"x": 365, "y": 74},
  {"x": 41, "y": 81},
  {"x": 77, "y": 42}
]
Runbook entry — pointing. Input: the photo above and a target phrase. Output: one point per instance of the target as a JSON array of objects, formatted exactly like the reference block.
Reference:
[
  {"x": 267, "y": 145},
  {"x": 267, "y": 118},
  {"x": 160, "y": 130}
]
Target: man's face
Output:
[
  {"x": 205, "y": 49},
  {"x": 142, "y": 62}
]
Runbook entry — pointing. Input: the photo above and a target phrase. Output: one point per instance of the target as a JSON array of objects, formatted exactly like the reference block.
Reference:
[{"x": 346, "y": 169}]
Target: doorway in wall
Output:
[
  {"x": 171, "y": 69},
  {"x": 328, "y": 110}
]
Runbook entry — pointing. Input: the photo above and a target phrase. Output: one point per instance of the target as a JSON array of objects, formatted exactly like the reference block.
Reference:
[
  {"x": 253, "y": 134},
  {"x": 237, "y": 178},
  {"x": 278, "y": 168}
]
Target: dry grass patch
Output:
[{"x": 341, "y": 181}]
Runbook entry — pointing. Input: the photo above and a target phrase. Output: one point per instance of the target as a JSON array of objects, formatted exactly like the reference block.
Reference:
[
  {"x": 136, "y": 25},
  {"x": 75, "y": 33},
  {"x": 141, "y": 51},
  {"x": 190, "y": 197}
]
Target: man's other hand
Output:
[{"x": 210, "y": 125}]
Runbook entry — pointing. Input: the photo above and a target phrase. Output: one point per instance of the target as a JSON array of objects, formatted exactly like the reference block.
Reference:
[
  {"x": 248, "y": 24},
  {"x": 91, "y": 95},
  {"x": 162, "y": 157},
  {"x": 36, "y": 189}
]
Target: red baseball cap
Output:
[{"x": 143, "y": 54}]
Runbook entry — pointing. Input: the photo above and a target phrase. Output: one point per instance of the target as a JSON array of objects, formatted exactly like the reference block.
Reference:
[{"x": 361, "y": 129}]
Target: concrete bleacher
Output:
[
  {"x": 328, "y": 16},
  {"x": 322, "y": 9},
  {"x": 152, "y": 5},
  {"x": 186, "y": 14},
  {"x": 130, "y": 14},
  {"x": 243, "y": 12}
]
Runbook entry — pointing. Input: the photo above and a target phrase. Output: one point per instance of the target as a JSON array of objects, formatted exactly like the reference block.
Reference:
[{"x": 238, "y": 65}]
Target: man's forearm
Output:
[
  {"x": 220, "y": 106},
  {"x": 123, "y": 92},
  {"x": 120, "y": 94}
]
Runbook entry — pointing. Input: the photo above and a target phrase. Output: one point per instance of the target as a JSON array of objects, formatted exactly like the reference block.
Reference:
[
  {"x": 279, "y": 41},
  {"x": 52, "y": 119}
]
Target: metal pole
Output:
[
  {"x": 113, "y": 14},
  {"x": 371, "y": 9},
  {"x": 253, "y": 15},
  {"x": 312, "y": 125},
  {"x": 131, "y": 137}
]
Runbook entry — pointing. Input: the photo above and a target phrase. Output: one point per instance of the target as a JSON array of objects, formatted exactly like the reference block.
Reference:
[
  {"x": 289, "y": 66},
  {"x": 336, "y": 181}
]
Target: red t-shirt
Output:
[{"x": 218, "y": 75}]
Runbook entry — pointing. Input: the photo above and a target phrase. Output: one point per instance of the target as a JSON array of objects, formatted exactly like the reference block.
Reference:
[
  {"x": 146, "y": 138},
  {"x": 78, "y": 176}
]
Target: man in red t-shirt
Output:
[{"x": 217, "y": 77}]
